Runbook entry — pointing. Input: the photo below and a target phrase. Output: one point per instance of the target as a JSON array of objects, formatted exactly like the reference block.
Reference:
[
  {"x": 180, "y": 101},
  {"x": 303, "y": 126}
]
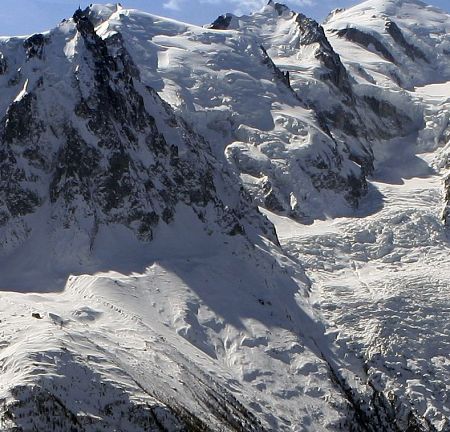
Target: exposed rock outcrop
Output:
[{"x": 366, "y": 39}]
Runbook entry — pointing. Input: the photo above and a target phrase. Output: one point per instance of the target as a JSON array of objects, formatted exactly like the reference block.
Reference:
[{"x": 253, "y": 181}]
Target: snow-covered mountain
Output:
[
  {"x": 90, "y": 152},
  {"x": 141, "y": 288}
]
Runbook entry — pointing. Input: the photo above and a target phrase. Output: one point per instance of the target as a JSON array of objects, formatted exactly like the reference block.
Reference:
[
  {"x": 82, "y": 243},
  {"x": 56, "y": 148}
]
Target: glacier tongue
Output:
[{"x": 382, "y": 284}]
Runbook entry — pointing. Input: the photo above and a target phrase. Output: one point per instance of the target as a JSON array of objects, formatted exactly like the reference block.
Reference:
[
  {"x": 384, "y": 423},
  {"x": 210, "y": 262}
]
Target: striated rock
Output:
[
  {"x": 366, "y": 39},
  {"x": 411, "y": 50},
  {"x": 395, "y": 119}
]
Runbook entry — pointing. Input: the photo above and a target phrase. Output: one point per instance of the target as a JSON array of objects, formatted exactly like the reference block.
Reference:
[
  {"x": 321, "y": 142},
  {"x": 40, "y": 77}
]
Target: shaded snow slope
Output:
[{"x": 213, "y": 335}]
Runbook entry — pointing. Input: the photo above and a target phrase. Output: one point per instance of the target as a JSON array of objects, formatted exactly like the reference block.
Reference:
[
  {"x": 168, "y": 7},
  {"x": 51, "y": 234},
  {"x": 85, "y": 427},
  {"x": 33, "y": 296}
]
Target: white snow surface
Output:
[{"x": 381, "y": 280}]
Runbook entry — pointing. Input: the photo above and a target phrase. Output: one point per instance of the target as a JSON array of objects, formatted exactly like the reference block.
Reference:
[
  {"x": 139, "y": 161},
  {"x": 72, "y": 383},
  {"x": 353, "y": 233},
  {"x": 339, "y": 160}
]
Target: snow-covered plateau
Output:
[{"x": 237, "y": 227}]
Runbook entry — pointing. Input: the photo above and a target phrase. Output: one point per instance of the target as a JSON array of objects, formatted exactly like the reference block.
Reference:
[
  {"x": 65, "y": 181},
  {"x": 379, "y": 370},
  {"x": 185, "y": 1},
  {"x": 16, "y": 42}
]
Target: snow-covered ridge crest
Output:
[
  {"x": 215, "y": 78},
  {"x": 356, "y": 116}
]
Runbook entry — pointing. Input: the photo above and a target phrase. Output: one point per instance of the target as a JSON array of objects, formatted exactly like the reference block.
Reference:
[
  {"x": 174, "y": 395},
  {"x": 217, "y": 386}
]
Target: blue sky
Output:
[{"x": 30, "y": 16}]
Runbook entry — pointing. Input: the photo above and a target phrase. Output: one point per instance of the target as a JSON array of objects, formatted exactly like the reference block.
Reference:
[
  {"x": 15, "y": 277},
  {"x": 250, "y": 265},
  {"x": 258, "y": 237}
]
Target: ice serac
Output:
[
  {"x": 215, "y": 79},
  {"x": 400, "y": 46}
]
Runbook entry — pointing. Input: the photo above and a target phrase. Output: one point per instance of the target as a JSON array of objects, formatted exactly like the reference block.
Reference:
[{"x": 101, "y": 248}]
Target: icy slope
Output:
[
  {"x": 381, "y": 280},
  {"x": 382, "y": 284},
  {"x": 357, "y": 116}
]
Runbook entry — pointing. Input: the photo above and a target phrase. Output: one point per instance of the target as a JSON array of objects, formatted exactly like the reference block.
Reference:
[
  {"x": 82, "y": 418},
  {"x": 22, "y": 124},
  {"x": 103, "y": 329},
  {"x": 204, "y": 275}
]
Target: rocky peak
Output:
[
  {"x": 279, "y": 7},
  {"x": 311, "y": 32},
  {"x": 222, "y": 22},
  {"x": 114, "y": 153}
]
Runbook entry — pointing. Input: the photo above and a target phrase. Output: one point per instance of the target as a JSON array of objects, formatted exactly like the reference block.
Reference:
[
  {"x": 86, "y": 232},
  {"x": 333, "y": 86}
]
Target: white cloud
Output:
[{"x": 173, "y": 5}]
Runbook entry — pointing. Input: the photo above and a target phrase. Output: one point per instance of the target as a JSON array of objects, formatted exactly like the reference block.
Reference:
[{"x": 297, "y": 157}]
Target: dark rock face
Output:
[
  {"x": 222, "y": 22},
  {"x": 280, "y": 8},
  {"x": 19, "y": 124},
  {"x": 324, "y": 177},
  {"x": 390, "y": 116},
  {"x": 365, "y": 39},
  {"x": 3, "y": 64},
  {"x": 277, "y": 72},
  {"x": 34, "y": 46},
  {"x": 411, "y": 50},
  {"x": 446, "y": 211},
  {"x": 18, "y": 196},
  {"x": 311, "y": 32}
]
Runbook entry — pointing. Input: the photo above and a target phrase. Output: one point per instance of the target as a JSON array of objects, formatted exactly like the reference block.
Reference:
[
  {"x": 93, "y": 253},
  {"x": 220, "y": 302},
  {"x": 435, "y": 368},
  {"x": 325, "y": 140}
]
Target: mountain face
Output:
[
  {"x": 405, "y": 43},
  {"x": 141, "y": 287},
  {"x": 86, "y": 145}
]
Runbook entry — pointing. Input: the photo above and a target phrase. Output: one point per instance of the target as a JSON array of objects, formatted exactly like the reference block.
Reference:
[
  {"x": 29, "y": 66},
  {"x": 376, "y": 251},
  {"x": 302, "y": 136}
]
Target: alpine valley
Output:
[{"x": 243, "y": 226}]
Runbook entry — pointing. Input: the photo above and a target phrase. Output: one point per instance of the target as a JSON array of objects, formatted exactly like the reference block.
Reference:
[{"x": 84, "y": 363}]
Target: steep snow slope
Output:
[
  {"x": 381, "y": 281},
  {"x": 357, "y": 116},
  {"x": 89, "y": 150},
  {"x": 189, "y": 344},
  {"x": 382, "y": 284}
]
